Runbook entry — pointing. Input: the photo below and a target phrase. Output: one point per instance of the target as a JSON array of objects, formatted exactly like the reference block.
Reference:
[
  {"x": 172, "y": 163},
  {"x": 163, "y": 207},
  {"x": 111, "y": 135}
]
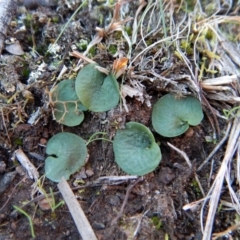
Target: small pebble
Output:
[
  {"x": 98, "y": 226},
  {"x": 114, "y": 201},
  {"x": 82, "y": 174},
  {"x": 2, "y": 166},
  {"x": 189, "y": 132},
  {"x": 13, "y": 226},
  {"x": 45, "y": 133},
  {"x": 166, "y": 175},
  {"x": 43, "y": 141},
  {"x": 5, "y": 180},
  {"x": 89, "y": 172}
]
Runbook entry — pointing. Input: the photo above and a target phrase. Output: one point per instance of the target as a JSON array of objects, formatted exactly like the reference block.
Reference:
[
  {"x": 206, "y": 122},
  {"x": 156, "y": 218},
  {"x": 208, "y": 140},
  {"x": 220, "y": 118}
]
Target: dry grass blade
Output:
[
  {"x": 232, "y": 52},
  {"x": 238, "y": 164},
  {"x": 81, "y": 56},
  {"x": 219, "y": 81},
  {"x": 194, "y": 205},
  {"x": 217, "y": 185},
  {"x": 216, "y": 148},
  {"x": 135, "y": 24}
]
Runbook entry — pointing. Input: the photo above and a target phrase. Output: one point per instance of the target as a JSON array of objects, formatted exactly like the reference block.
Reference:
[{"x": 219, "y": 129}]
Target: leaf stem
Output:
[
  {"x": 105, "y": 139},
  {"x": 91, "y": 139}
]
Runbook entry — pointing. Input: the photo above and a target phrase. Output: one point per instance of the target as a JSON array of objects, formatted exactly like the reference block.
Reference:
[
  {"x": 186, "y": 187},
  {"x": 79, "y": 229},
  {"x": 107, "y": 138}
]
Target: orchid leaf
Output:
[
  {"x": 172, "y": 116},
  {"x": 67, "y": 153},
  {"x": 67, "y": 108},
  {"x": 135, "y": 149},
  {"x": 97, "y": 91}
]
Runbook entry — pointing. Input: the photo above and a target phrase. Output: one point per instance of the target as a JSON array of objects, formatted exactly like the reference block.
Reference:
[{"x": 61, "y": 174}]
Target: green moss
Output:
[
  {"x": 111, "y": 2},
  {"x": 210, "y": 34},
  {"x": 82, "y": 45},
  {"x": 188, "y": 5},
  {"x": 128, "y": 30},
  {"x": 157, "y": 222},
  {"x": 27, "y": 20},
  {"x": 101, "y": 19},
  {"x": 117, "y": 35},
  {"x": 42, "y": 49},
  {"x": 149, "y": 42},
  {"x": 92, "y": 52},
  {"x": 112, "y": 49},
  {"x": 55, "y": 19},
  {"x": 187, "y": 47},
  {"x": 195, "y": 187},
  {"x": 211, "y": 8},
  {"x": 18, "y": 142}
]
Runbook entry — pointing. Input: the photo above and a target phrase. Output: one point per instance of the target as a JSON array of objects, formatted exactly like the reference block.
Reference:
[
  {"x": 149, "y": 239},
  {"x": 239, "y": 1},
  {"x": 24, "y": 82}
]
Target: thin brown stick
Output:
[
  {"x": 129, "y": 189},
  {"x": 26, "y": 163}
]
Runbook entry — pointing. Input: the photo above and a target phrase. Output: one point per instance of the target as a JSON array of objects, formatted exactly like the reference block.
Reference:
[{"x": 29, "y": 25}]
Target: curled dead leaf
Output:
[{"x": 119, "y": 66}]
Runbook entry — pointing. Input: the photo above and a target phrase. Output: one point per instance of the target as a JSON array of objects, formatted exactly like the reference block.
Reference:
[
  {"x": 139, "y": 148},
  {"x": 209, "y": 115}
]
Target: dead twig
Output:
[
  {"x": 76, "y": 211},
  {"x": 219, "y": 81},
  {"x": 194, "y": 205},
  {"x": 129, "y": 189},
  {"x": 81, "y": 56},
  {"x": 25, "y": 162},
  {"x": 7, "y": 9}
]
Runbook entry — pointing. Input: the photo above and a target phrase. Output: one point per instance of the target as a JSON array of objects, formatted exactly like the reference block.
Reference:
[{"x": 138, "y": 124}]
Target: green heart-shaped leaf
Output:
[
  {"x": 95, "y": 90},
  {"x": 135, "y": 149},
  {"x": 67, "y": 108},
  {"x": 171, "y": 116},
  {"x": 67, "y": 153}
]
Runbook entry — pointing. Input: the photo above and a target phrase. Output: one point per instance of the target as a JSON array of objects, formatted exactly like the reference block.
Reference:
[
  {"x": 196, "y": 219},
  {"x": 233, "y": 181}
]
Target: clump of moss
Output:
[
  {"x": 82, "y": 45},
  {"x": 112, "y": 49},
  {"x": 156, "y": 221}
]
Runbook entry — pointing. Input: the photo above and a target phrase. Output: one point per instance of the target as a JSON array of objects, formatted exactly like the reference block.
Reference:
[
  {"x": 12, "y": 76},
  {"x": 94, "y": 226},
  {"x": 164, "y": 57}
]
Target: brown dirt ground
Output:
[{"x": 156, "y": 202}]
